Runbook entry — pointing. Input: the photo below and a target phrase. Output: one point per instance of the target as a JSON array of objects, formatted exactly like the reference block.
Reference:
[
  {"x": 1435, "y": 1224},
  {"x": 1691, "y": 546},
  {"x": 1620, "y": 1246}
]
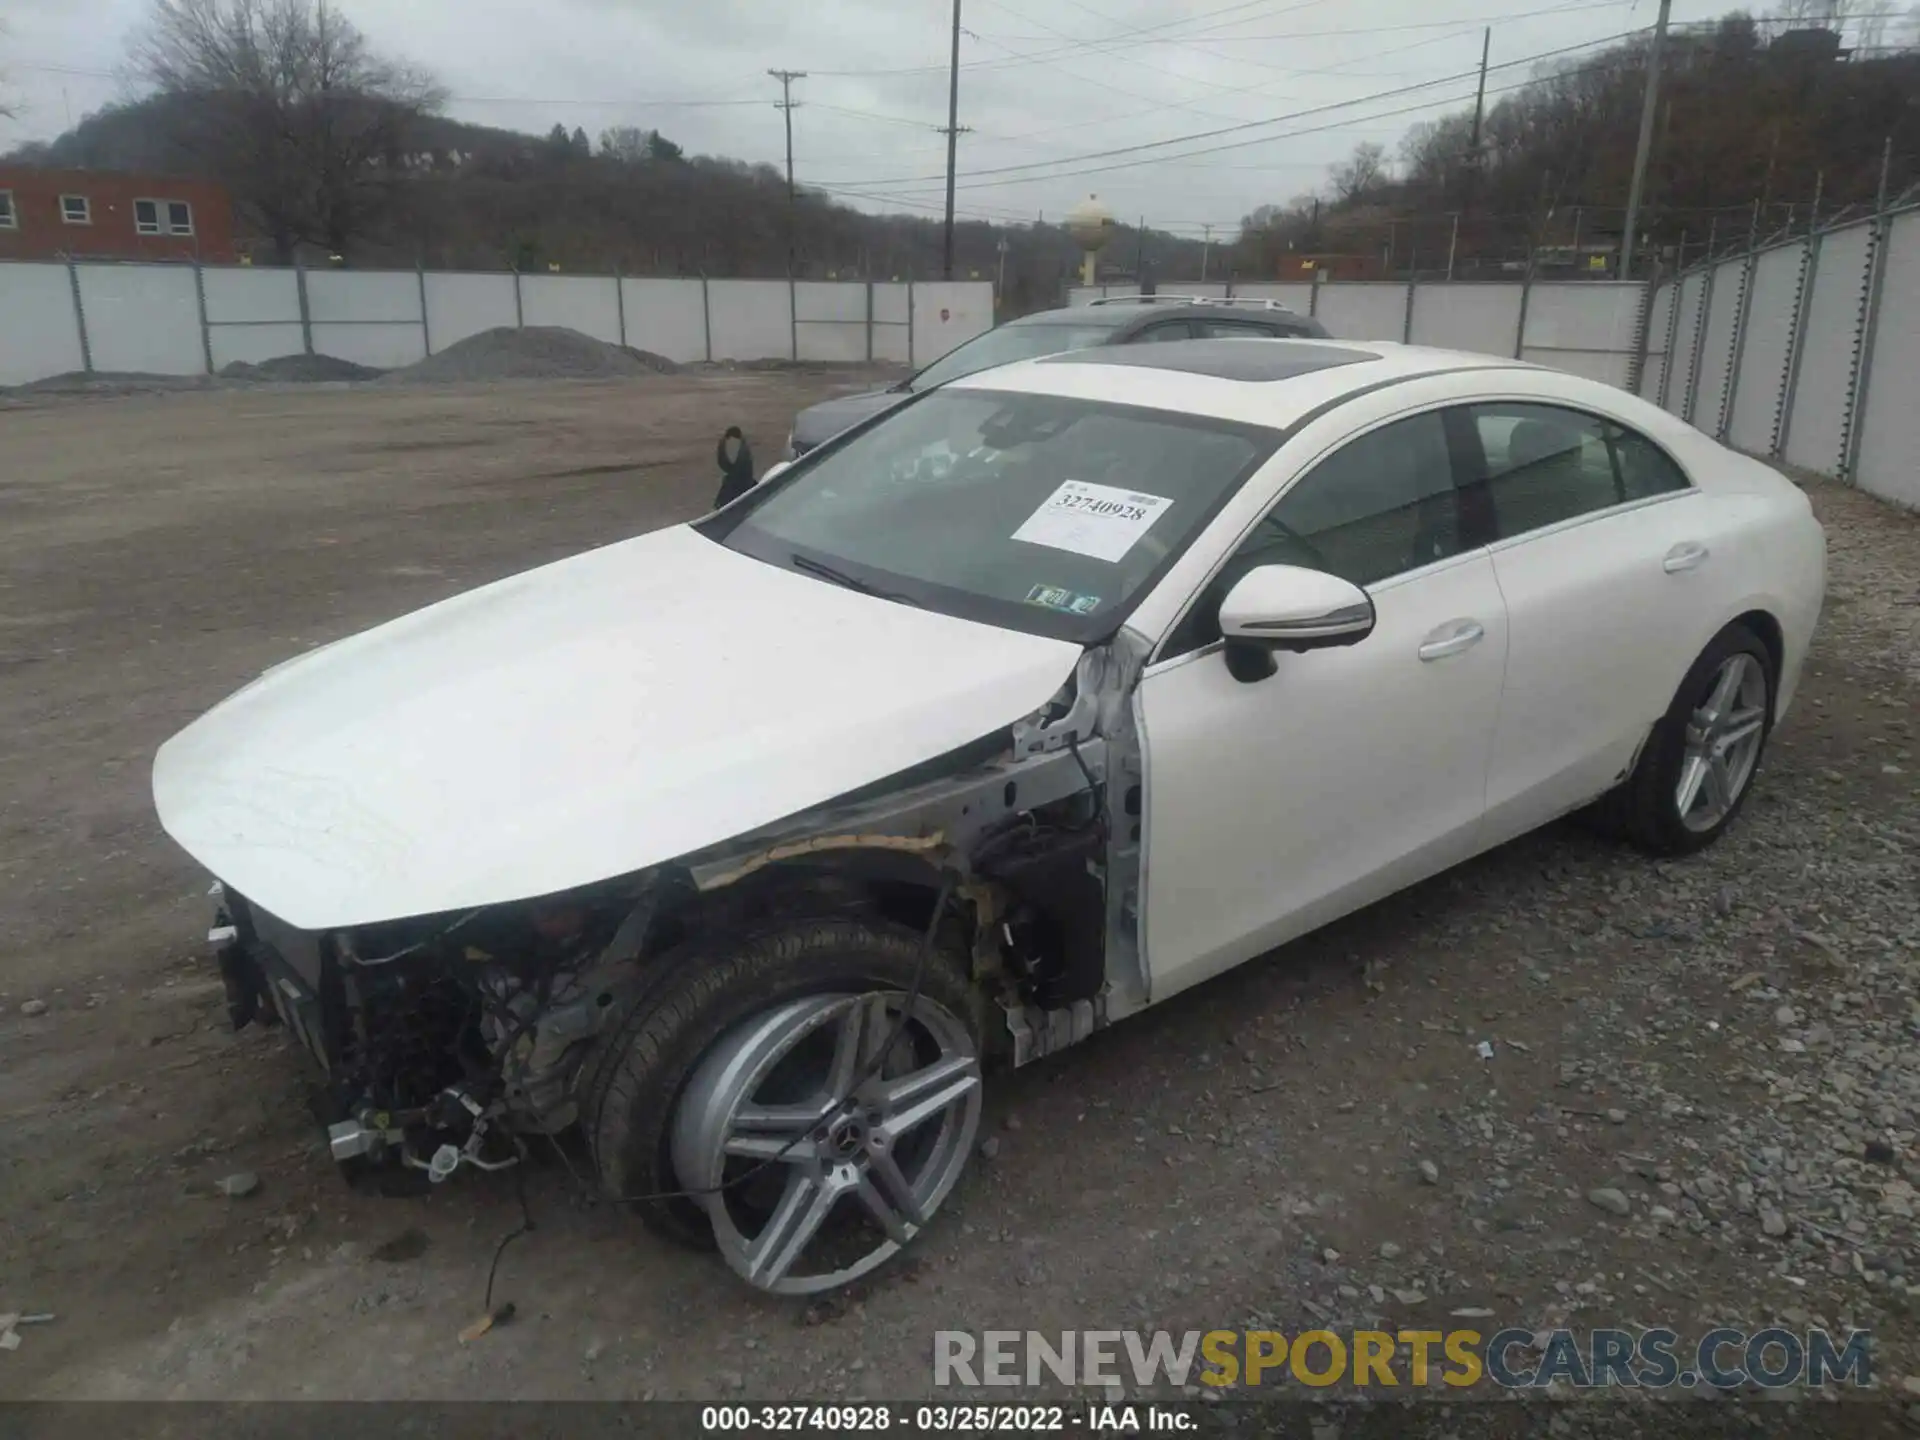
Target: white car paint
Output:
[
  {"x": 582, "y": 720},
  {"x": 658, "y": 696},
  {"x": 1347, "y": 774}
]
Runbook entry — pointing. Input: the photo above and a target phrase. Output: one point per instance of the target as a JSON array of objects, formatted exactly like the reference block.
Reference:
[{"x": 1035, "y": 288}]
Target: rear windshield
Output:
[{"x": 1032, "y": 512}]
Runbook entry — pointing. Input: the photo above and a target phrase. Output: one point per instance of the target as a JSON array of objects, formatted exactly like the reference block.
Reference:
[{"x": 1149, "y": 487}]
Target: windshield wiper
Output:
[{"x": 846, "y": 581}]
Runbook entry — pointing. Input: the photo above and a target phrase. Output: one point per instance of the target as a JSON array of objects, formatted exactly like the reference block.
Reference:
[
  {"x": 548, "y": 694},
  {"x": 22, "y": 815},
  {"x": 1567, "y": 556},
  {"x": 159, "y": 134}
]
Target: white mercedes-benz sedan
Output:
[{"x": 738, "y": 852}]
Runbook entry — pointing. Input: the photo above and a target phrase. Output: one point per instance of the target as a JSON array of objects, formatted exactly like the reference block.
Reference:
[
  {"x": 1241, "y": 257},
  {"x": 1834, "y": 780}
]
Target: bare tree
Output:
[
  {"x": 1362, "y": 173},
  {"x": 290, "y": 109}
]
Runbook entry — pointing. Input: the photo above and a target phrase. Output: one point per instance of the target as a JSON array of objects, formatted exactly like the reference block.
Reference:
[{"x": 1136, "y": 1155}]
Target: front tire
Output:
[
  {"x": 1699, "y": 764},
  {"x": 711, "y": 1086}
]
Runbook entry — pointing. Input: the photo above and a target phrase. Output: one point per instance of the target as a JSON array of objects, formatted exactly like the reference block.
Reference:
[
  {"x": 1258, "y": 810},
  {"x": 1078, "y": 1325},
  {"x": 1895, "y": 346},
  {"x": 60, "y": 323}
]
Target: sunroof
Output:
[{"x": 1223, "y": 359}]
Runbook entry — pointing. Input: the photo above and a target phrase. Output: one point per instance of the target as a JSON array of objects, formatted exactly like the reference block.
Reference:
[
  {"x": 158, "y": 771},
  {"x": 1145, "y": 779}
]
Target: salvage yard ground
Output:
[{"x": 1700, "y": 1108}]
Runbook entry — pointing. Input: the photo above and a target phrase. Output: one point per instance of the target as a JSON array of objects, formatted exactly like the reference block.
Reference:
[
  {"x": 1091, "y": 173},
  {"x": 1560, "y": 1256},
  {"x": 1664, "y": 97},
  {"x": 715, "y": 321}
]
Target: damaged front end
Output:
[
  {"x": 441, "y": 1041},
  {"x": 445, "y": 1041}
]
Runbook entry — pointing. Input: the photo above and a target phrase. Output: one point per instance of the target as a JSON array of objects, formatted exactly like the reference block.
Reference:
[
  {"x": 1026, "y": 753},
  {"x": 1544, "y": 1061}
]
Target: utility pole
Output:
[
  {"x": 1206, "y": 244},
  {"x": 1479, "y": 113},
  {"x": 953, "y": 137},
  {"x": 1000, "y": 285},
  {"x": 1649, "y": 108},
  {"x": 785, "y": 104}
]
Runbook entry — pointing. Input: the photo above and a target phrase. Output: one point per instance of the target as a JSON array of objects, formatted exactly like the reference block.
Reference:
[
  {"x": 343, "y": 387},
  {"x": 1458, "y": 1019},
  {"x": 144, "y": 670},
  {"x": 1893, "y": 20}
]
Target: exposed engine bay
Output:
[{"x": 447, "y": 1041}]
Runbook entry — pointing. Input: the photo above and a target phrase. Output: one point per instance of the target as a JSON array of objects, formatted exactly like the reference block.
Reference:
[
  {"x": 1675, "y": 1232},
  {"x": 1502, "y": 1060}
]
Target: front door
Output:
[{"x": 1276, "y": 806}]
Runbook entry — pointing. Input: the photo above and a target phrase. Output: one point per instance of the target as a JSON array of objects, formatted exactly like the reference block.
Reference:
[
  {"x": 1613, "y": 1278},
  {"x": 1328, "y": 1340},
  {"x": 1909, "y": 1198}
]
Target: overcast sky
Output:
[{"x": 1107, "y": 74}]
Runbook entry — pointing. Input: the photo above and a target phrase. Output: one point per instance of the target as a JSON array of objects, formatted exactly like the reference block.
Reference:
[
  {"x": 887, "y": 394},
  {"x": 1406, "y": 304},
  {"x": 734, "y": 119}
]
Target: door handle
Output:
[
  {"x": 1452, "y": 639},
  {"x": 1687, "y": 555}
]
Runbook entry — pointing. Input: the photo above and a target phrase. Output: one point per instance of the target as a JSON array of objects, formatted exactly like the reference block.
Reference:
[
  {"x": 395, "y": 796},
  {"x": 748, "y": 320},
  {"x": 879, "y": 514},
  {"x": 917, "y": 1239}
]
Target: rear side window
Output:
[
  {"x": 1544, "y": 465},
  {"x": 1166, "y": 330}
]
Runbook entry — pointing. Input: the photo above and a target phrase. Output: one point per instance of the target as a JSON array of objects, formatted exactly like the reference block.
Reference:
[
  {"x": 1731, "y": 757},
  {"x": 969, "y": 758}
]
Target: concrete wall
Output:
[
  {"x": 38, "y": 337},
  {"x": 252, "y": 315},
  {"x": 1716, "y": 347},
  {"x": 1820, "y": 399},
  {"x": 142, "y": 318},
  {"x": 750, "y": 320},
  {"x": 1659, "y": 334},
  {"x": 1588, "y": 327},
  {"x": 667, "y": 317},
  {"x": 1693, "y": 308},
  {"x": 463, "y": 305},
  {"x": 1763, "y": 353},
  {"x": 946, "y": 313},
  {"x": 892, "y": 326},
  {"x": 832, "y": 320},
  {"x": 1461, "y": 316},
  {"x": 1890, "y": 421},
  {"x": 150, "y": 317},
  {"x": 590, "y": 304},
  {"x": 1364, "y": 310}
]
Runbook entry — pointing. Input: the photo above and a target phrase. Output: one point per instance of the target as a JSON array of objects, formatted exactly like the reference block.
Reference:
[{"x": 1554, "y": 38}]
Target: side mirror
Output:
[
  {"x": 1286, "y": 607},
  {"x": 774, "y": 469}
]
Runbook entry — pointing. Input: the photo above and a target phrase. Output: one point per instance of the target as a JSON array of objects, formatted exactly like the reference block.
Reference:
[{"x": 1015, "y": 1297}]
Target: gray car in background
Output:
[{"x": 1117, "y": 320}]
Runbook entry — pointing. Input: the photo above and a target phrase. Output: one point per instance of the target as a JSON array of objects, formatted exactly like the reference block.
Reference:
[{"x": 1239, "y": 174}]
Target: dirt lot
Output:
[{"x": 1726, "y": 1043}]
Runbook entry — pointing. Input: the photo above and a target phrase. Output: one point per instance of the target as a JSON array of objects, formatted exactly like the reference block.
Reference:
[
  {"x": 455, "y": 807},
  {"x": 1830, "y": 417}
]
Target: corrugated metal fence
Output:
[
  {"x": 182, "y": 319},
  {"x": 1804, "y": 349}
]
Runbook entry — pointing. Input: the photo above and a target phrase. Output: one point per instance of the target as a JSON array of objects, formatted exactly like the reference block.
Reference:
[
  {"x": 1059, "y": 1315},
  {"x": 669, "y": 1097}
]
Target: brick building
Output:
[{"x": 111, "y": 215}]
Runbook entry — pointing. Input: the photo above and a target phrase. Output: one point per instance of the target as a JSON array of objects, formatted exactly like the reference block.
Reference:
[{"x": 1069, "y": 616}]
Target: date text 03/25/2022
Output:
[{"x": 938, "y": 1419}]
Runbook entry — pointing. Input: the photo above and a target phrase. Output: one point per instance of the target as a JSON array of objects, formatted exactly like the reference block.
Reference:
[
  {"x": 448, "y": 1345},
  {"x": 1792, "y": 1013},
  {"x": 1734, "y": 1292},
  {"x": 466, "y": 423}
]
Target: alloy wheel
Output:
[
  {"x": 1723, "y": 739},
  {"x": 823, "y": 1156}
]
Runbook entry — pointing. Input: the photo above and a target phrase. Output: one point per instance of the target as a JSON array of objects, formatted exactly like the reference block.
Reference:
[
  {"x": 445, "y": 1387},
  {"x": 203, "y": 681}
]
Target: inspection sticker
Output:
[
  {"x": 1095, "y": 520},
  {"x": 1056, "y": 597}
]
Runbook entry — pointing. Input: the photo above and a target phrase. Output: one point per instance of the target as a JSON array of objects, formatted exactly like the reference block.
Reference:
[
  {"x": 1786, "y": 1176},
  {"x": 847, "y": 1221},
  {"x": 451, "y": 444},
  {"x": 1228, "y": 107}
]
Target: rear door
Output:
[{"x": 1604, "y": 554}]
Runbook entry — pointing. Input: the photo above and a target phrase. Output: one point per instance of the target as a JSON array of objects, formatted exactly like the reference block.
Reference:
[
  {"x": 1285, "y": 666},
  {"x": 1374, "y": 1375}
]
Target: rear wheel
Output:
[
  {"x": 1698, "y": 765},
  {"x": 780, "y": 1078}
]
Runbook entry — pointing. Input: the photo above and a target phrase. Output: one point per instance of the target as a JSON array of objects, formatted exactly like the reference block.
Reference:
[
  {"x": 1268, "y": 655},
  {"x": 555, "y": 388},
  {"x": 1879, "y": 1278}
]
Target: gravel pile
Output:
[
  {"x": 300, "y": 369},
  {"x": 538, "y": 352},
  {"x": 111, "y": 382}
]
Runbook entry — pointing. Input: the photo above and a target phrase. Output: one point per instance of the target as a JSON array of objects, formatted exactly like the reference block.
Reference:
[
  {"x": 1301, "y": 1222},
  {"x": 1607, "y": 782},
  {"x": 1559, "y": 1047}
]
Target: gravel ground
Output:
[{"x": 1701, "y": 1104}]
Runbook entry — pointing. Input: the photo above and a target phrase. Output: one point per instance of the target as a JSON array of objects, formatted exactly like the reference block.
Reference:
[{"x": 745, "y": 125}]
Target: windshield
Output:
[
  {"x": 1029, "y": 511},
  {"x": 1007, "y": 344}
]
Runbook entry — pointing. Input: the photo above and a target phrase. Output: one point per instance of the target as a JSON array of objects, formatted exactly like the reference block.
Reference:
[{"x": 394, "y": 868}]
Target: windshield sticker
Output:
[
  {"x": 1094, "y": 520},
  {"x": 1055, "y": 597}
]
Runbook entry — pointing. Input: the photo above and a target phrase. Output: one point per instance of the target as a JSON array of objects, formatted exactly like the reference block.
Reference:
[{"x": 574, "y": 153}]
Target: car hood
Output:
[
  {"x": 579, "y": 721},
  {"x": 827, "y": 419}
]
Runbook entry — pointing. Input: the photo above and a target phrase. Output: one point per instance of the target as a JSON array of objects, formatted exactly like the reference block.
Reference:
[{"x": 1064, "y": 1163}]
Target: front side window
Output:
[
  {"x": 1378, "y": 506},
  {"x": 1033, "y": 512},
  {"x": 76, "y": 210},
  {"x": 179, "y": 218},
  {"x": 1544, "y": 465},
  {"x": 1166, "y": 330},
  {"x": 146, "y": 216},
  {"x": 1010, "y": 343}
]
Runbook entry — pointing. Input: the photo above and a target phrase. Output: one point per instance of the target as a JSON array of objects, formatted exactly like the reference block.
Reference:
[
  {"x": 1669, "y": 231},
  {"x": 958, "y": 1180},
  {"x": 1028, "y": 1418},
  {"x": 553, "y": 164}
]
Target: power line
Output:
[
  {"x": 1258, "y": 124},
  {"x": 1065, "y": 49}
]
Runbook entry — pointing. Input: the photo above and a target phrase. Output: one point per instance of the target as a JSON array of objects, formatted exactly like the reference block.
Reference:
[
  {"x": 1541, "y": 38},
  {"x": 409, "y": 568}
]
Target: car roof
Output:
[
  {"x": 1121, "y": 317},
  {"x": 1261, "y": 382}
]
